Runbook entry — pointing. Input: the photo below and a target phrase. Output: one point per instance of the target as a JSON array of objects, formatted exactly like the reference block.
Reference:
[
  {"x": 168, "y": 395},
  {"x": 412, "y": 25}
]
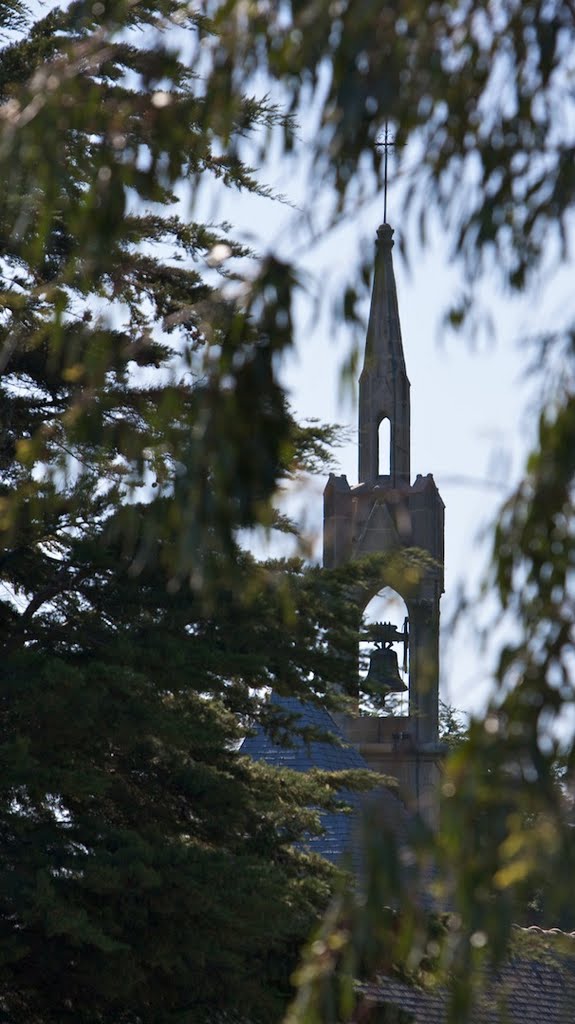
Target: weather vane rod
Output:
[{"x": 387, "y": 143}]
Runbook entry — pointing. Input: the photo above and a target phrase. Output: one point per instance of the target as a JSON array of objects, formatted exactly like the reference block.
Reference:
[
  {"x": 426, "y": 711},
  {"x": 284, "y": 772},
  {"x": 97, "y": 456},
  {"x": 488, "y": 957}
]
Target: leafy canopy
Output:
[
  {"x": 149, "y": 872},
  {"x": 117, "y": 335}
]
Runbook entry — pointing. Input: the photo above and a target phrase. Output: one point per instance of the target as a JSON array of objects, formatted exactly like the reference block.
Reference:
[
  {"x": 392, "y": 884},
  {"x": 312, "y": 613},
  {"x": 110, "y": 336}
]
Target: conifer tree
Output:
[
  {"x": 119, "y": 351},
  {"x": 149, "y": 872}
]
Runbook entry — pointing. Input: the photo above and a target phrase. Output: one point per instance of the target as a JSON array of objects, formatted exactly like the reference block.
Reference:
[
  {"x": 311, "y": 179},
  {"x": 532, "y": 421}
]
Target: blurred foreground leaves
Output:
[{"x": 143, "y": 418}]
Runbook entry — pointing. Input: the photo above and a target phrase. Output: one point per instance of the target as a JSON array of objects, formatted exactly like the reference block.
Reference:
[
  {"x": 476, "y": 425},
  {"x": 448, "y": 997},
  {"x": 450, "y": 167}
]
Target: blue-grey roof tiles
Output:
[{"x": 341, "y": 830}]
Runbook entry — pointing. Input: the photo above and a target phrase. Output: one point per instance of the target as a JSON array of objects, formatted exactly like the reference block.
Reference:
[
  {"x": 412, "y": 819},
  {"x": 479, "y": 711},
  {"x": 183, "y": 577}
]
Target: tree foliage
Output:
[
  {"x": 480, "y": 96},
  {"x": 109, "y": 315},
  {"x": 149, "y": 872},
  {"x": 141, "y": 349},
  {"x": 143, "y": 859}
]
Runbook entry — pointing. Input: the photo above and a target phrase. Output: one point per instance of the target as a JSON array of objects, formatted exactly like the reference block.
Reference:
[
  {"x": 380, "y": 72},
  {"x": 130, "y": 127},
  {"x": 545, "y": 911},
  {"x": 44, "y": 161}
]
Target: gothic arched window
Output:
[{"x": 384, "y": 447}]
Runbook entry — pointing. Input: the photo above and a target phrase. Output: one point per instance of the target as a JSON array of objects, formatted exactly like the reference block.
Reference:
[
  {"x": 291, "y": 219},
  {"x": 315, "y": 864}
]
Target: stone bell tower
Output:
[{"x": 387, "y": 513}]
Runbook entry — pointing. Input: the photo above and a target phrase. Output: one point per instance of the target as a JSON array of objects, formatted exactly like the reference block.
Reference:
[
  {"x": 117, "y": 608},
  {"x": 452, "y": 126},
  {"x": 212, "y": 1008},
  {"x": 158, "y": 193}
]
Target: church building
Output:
[{"x": 385, "y": 513}]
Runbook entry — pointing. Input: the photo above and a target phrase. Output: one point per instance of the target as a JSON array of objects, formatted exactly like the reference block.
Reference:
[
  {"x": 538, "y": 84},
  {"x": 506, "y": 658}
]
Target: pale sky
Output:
[
  {"x": 471, "y": 423},
  {"x": 467, "y": 428},
  {"x": 472, "y": 411},
  {"x": 472, "y": 406}
]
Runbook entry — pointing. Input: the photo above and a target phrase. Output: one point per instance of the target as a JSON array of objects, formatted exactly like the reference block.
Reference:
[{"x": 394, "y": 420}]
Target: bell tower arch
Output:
[{"x": 387, "y": 513}]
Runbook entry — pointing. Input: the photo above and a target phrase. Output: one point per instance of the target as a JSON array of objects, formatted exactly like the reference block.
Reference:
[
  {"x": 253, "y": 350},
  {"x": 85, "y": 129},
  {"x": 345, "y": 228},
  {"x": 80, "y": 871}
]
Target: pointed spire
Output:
[{"x": 383, "y": 384}]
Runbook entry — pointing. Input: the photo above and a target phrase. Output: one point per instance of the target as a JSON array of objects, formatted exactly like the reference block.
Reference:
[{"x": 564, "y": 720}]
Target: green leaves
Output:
[
  {"x": 144, "y": 424},
  {"x": 140, "y": 851},
  {"x": 138, "y": 846},
  {"x": 109, "y": 296}
]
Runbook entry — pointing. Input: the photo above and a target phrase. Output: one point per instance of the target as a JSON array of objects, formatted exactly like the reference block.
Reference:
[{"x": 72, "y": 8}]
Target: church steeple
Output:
[
  {"x": 385, "y": 513},
  {"x": 383, "y": 384}
]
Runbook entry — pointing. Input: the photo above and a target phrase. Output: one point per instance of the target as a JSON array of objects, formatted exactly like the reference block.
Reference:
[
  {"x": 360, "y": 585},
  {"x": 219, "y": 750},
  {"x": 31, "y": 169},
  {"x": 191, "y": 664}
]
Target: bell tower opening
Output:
[
  {"x": 383, "y": 669},
  {"x": 384, "y": 447}
]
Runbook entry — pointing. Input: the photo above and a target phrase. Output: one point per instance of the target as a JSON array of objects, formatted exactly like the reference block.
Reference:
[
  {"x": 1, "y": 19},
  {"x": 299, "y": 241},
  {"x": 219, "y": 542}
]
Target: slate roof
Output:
[
  {"x": 301, "y": 756},
  {"x": 533, "y": 987},
  {"x": 341, "y": 833}
]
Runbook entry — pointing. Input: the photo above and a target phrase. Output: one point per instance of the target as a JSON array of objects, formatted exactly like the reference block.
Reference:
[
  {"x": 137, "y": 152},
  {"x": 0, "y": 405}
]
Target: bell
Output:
[{"x": 383, "y": 676}]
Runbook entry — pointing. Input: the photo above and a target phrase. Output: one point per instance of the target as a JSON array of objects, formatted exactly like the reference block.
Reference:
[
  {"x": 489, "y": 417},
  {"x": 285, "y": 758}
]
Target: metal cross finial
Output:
[{"x": 386, "y": 143}]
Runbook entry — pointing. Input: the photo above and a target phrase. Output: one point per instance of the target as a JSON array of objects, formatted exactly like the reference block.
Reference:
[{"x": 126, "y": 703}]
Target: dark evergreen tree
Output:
[
  {"x": 118, "y": 349},
  {"x": 148, "y": 871}
]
